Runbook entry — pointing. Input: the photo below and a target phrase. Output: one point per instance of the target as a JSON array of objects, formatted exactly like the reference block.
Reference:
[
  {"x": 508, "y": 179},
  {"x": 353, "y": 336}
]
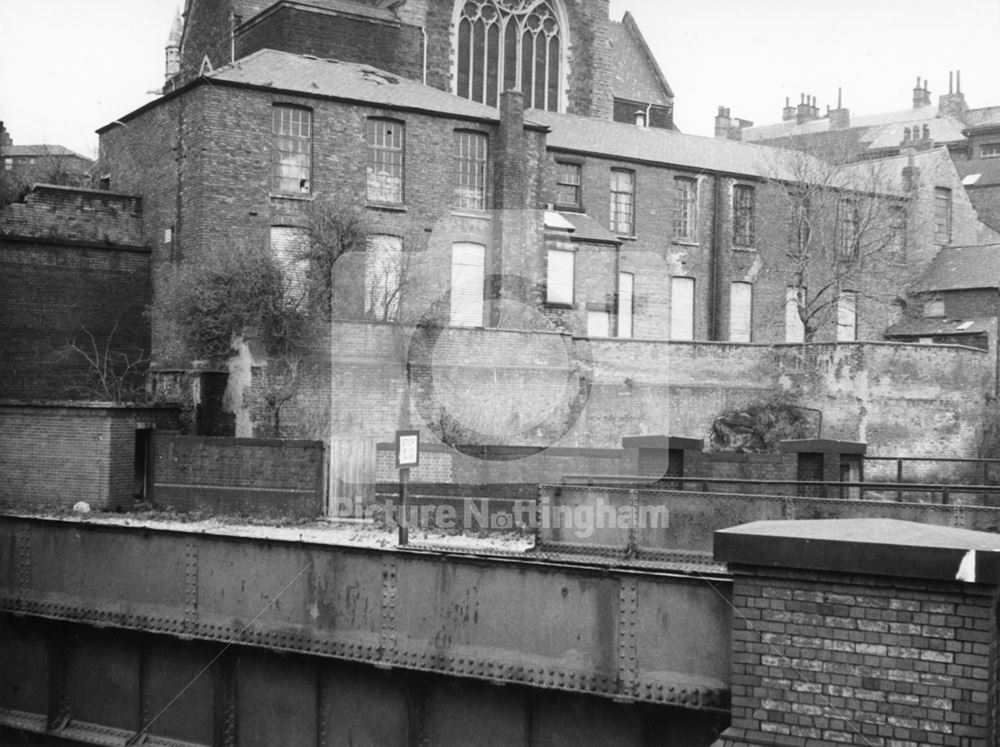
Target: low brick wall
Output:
[
  {"x": 868, "y": 631},
  {"x": 239, "y": 476}
]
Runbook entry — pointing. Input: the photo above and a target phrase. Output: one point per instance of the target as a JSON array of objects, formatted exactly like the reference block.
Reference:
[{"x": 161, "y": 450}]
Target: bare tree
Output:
[
  {"x": 844, "y": 247},
  {"x": 111, "y": 374}
]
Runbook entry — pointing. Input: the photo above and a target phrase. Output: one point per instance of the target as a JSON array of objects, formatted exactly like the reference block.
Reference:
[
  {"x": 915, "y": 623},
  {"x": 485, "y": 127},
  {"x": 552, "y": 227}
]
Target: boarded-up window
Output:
[
  {"x": 598, "y": 323},
  {"x": 740, "y": 311},
  {"x": 626, "y": 300},
  {"x": 289, "y": 246},
  {"x": 383, "y": 277},
  {"x": 847, "y": 317},
  {"x": 795, "y": 330},
  {"x": 682, "y": 308},
  {"x": 559, "y": 276},
  {"x": 467, "y": 284}
]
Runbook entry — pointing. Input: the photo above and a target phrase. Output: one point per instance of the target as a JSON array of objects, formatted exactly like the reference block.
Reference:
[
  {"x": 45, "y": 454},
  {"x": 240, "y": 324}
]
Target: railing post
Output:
[
  {"x": 944, "y": 495},
  {"x": 899, "y": 479}
]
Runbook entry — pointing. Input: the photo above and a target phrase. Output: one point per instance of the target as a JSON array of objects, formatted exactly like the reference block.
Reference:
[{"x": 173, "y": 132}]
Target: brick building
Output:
[
  {"x": 27, "y": 164},
  {"x": 565, "y": 56}
]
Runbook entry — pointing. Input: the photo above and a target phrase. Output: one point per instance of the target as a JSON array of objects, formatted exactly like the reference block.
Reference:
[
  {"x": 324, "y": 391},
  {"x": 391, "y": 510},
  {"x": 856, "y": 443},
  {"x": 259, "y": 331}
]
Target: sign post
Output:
[{"x": 407, "y": 455}]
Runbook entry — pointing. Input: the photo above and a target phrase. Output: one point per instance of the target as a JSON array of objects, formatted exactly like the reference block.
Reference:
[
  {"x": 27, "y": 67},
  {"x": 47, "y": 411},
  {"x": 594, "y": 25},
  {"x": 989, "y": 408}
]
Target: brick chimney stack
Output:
[
  {"x": 840, "y": 118},
  {"x": 953, "y": 103},
  {"x": 921, "y": 94},
  {"x": 807, "y": 110},
  {"x": 512, "y": 175},
  {"x": 728, "y": 127},
  {"x": 788, "y": 113}
]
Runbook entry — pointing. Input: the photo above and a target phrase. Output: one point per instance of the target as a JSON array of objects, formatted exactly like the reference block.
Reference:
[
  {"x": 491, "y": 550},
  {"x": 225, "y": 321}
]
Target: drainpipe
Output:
[
  {"x": 996, "y": 350},
  {"x": 713, "y": 283},
  {"x": 423, "y": 33}
]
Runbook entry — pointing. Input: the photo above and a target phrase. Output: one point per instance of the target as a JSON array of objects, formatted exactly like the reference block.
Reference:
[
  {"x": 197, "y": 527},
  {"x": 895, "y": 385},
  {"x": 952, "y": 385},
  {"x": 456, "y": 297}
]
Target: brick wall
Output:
[
  {"x": 842, "y": 658},
  {"x": 52, "y": 456},
  {"x": 71, "y": 263},
  {"x": 396, "y": 48},
  {"x": 239, "y": 476}
]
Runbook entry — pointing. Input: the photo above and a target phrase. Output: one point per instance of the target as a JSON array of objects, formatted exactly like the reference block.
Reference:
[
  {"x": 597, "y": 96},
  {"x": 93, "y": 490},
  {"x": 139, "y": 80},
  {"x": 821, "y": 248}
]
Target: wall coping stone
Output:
[{"x": 877, "y": 547}]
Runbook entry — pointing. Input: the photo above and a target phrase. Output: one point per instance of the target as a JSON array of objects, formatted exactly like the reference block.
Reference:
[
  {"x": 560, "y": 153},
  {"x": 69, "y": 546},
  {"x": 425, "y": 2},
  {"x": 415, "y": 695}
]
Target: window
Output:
[
  {"x": 598, "y": 323},
  {"x": 795, "y": 328},
  {"x": 385, "y": 160},
  {"x": 467, "y": 284},
  {"x": 848, "y": 221},
  {"x": 897, "y": 228},
  {"x": 740, "y": 311},
  {"x": 559, "y": 275},
  {"x": 622, "y": 202},
  {"x": 989, "y": 150},
  {"x": 682, "y": 308},
  {"x": 568, "y": 178},
  {"x": 743, "y": 215},
  {"x": 509, "y": 44},
  {"x": 470, "y": 163},
  {"x": 934, "y": 307},
  {"x": 626, "y": 303},
  {"x": 801, "y": 223},
  {"x": 942, "y": 215},
  {"x": 685, "y": 208},
  {"x": 847, "y": 316},
  {"x": 291, "y": 156},
  {"x": 383, "y": 277},
  {"x": 290, "y": 246}
]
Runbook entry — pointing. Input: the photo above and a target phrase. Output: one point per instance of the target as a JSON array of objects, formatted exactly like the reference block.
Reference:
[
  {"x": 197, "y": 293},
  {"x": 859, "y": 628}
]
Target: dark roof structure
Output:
[{"x": 961, "y": 268}]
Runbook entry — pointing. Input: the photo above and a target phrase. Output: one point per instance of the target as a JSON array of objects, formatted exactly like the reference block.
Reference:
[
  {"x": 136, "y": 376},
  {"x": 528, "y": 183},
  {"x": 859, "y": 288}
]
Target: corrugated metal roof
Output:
[
  {"x": 962, "y": 268},
  {"x": 347, "y": 80}
]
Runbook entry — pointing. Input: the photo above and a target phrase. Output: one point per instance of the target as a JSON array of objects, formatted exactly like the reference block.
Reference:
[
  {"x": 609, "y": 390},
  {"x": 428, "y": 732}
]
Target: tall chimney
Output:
[
  {"x": 722, "y": 123},
  {"x": 921, "y": 95},
  {"x": 788, "y": 113},
  {"x": 840, "y": 118},
  {"x": 953, "y": 104},
  {"x": 512, "y": 175}
]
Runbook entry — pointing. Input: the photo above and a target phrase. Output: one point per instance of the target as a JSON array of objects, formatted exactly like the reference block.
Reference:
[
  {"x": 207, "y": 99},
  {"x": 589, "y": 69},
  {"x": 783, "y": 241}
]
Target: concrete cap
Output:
[
  {"x": 663, "y": 442},
  {"x": 877, "y": 547},
  {"x": 822, "y": 445}
]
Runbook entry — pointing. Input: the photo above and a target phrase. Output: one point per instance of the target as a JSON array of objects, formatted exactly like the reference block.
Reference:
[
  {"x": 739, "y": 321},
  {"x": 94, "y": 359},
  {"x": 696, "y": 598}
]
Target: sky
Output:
[{"x": 68, "y": 67}]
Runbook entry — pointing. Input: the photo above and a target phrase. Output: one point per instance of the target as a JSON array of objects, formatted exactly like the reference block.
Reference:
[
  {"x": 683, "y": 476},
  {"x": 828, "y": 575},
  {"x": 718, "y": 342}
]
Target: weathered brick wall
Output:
[
  {"x": 523, "y": 388},
  {"x": 239, "y": 476},
  {"x": 72, "y": 214},
  {"x": 393, "y": 47},
  {"x": 822, "y": 658},
  {"x": 53, "y": 456},
  {"x": 71, "y": 266}
]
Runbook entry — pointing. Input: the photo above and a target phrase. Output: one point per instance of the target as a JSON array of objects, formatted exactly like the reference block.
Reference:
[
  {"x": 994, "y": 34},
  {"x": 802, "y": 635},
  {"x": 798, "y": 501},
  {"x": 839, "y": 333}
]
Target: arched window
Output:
[{"x": 510, "y": 44}]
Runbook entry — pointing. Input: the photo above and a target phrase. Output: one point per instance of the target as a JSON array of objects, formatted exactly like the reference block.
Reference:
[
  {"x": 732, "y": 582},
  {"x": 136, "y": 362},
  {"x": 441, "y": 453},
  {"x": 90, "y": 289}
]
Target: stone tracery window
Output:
[{"x": 509, "y": 44}]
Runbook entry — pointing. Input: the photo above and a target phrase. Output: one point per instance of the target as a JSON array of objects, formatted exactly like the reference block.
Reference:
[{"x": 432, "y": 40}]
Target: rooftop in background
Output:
[
  {"x": 38, "y": 151},
  {"x": 962, "y": 268}
]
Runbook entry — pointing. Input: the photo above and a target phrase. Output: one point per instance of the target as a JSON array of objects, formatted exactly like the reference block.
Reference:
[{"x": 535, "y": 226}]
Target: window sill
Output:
[
  {"x": 737, "y": 248},
  {"x": 469, "y": 213},
  {"x": 568, "y": 208},
  {"x": 555, "y": 305},
  {"x": 626, "y": 237},
  {"x": 301, "y": 197},
  {"x": 394, "y": 207},
  {"x": 685, "y": 242}
]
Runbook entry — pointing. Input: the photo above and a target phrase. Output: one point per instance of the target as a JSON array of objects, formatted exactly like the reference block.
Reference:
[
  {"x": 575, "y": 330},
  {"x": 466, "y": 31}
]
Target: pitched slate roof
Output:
[
  {"x": 39, "y": 151},
  {"x": 941, "y": 130},
  {"x": 985, "y": 170},
  {"x": 792, "y": 128},
  {"x": 372, "y": 11},
  {"x": 988, "y": 115},
  {"x": 628, "y": 142},
  {"x": 345, "y": 80},
  {"x": 962, "y": 268},
  {"x": 940, "y": 327}
]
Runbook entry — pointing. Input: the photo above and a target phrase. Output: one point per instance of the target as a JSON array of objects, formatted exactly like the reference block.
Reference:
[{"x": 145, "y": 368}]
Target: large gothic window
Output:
[{"x": 509, "y": 44}]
